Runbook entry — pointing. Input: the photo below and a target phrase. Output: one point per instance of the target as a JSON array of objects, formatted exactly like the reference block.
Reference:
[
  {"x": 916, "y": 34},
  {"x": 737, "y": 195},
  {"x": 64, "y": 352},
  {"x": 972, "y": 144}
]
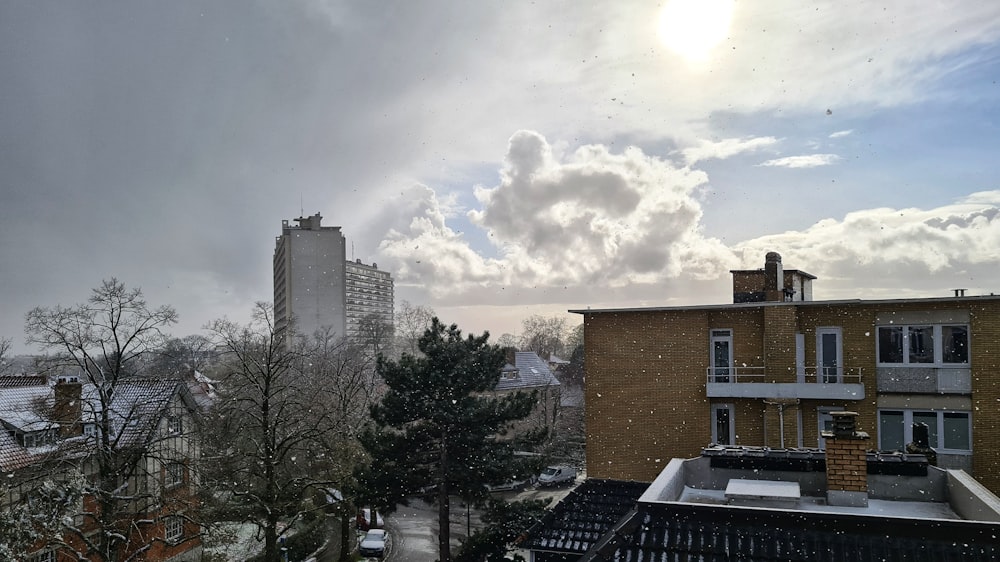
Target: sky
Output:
[{"x": 500, "y": 159}]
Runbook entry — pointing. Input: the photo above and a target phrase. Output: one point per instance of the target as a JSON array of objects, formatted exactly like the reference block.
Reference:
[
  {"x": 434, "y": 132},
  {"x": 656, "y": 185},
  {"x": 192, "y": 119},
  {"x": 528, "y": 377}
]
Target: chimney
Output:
[
  {"x": 68, "y": 406},
  {"x": 774, "y": 278},
  {"x": 846, "y": 462}
]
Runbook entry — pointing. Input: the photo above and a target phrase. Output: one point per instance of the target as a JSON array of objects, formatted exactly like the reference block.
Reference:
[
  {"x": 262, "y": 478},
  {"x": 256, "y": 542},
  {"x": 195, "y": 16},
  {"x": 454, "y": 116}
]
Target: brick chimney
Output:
[
  {"x": 774, "y": 278},
  {"x": 846, "y": 462},
  {"x": 68, "y": 406}
]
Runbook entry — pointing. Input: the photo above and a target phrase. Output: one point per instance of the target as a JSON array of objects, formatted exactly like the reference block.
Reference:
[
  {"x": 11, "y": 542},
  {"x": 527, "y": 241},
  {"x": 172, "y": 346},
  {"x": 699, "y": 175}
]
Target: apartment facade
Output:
[
  {"x": 315, "y": 284},
  {"x": 769, "y": 369}
]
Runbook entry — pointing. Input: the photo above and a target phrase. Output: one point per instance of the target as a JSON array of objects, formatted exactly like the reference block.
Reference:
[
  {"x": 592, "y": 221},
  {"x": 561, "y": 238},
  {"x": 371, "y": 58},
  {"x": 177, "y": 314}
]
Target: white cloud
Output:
[
  {"x": 725, "y": 148},
  {"x": 840, "y": 134},
  {"x": 889, "y": 252},
  {"x": 806, "y": 161},
  {"x": 592, "y": 219}
]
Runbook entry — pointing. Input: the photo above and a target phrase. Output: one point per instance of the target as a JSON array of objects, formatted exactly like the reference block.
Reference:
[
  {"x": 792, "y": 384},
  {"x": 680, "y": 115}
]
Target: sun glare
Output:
[{"x": 691, "y": 28}]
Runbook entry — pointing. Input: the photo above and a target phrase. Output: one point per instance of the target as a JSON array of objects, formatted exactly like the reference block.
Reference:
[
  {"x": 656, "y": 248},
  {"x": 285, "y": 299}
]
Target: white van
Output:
[{"x": 555, "y": 475}]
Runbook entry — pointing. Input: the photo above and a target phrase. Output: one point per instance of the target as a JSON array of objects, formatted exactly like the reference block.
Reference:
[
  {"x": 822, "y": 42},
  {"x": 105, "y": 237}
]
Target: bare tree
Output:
[
  {"x": 5, "y": 359},
  {"x": 343, "y": 374},
  {"x": 507, "y": 340},
  {"x": 103, "y": 340},
  {"x": 267, "y": 423},
  {"x": 411, "y": 323},
  {"x": 544, "y": 336},
  {"x": 180, "y": 356}
]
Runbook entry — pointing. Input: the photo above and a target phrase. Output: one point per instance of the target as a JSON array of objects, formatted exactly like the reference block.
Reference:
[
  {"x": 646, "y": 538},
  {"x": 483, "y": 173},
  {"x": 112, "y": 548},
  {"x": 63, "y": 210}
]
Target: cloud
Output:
[
  {"x": 892, "y": 253},
  {"x": 806, "y": 161},
  {"x": 726, "y": 148},
  {"x": 840, "y": 134},
  {"x": 593, "y": 218}
]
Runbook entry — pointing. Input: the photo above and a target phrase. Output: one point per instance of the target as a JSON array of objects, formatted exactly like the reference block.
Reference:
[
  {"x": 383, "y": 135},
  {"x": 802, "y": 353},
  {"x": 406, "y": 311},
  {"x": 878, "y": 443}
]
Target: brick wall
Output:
[{"x": 846, "y": 465}]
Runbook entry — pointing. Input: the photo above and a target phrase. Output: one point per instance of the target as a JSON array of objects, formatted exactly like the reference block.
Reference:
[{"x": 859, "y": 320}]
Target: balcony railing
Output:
[{"x": 810, "y": 382}]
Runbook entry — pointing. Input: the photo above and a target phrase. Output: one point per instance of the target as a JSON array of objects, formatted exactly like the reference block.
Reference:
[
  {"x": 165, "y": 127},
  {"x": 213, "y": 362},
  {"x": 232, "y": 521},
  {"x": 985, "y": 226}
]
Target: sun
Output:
[{"x": 691, "y": 28}]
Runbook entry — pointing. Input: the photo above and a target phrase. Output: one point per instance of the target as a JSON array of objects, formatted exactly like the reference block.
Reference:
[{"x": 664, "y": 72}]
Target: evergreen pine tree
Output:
[{"x": 438, "y": 429}]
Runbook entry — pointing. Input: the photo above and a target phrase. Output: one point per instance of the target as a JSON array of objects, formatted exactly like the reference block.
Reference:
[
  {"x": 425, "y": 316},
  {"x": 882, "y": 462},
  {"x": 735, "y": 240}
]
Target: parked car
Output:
[
  {"x": 556, "y": 475},
  {"x": 369, "y": 519},
  {"x": 374, "y": 543}
]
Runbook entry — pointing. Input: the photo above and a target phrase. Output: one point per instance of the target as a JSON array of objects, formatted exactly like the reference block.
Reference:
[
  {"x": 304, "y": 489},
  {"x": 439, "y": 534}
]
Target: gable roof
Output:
[
  {"x": 532, "y": 372},
  {"x": 136, "y": 409},
  {"x": 579, "y": 521}
]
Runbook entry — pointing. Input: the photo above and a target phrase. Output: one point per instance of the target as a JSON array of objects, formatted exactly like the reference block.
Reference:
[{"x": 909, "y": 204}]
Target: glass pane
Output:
[
  {"x": 722, "y": 426},
  {"x": 890, "y": 431},
  {"x": 955, "y": 344},
  {"x": 956, "y": 431},
  {"x": 931, "y": 419},
  {"x": 890, "y": 344},
  {"x": 921, "y": 344},
  {"x": 720, "y": 360},
  {"x": 828, "y": 357}
]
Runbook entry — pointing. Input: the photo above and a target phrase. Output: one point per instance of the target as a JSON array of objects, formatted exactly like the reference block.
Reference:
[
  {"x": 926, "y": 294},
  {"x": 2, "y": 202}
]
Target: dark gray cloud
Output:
[{"x": 163, "y": 142}]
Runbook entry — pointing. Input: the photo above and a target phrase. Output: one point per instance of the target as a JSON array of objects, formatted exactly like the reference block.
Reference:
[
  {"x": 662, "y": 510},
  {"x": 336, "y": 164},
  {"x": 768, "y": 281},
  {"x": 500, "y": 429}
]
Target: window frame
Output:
[
  {"x": 937, "y": 335},
  {"x": 174, "y": 473},
  {"x": 175, "y": 425},
  {"x": 173, "y": 529},
  {"x": 939, "y": 433},
  {"x": 731, "y": 408},
  {"x": 721, "y": 335}
]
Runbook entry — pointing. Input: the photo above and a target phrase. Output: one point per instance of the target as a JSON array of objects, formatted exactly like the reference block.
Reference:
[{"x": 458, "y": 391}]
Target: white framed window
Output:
[
  {"x": 173, "y": 474},
  {"x": 947, "y": 431},
  {"x": 173, "y": 529},
  {"x": 174, "y": 425},
  {"x": 721, "y": 355},
  {"x": 723, "y": 424},
  {"x": 829, "y": 355},
  {"x": 923, "y": 345}
]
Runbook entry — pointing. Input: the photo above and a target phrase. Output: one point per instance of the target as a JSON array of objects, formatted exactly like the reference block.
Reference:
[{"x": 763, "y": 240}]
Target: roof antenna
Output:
[{"x": 302, "y": 207}]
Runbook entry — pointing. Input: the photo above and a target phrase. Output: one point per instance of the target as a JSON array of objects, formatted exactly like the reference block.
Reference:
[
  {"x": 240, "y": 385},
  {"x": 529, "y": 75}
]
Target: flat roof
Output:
[{"x": 844, "y": 302}]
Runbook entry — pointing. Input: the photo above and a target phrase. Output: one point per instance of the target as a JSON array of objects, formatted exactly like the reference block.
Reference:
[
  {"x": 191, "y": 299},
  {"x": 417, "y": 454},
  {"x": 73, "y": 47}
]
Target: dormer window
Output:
[{"x": 511, "y": 374}]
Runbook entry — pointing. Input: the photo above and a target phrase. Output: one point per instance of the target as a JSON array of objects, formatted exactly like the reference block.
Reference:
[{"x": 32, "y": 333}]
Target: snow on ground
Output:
[{"x": 232, "y": 542}]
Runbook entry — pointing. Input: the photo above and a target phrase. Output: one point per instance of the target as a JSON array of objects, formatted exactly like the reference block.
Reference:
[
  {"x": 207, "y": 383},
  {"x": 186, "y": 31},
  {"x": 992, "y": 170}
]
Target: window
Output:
[
  {"x": 722, "y": 355},
  {"x": 723, "y": 424},
  {"x": 923, "y": 345},
  {"x": 948, "y": 431},
  {"x": 828, "y": 355},
  {"x": 173, "y": 528},
  {"x": 173, "y": 475},
  {"x": 174, "y": 426}
]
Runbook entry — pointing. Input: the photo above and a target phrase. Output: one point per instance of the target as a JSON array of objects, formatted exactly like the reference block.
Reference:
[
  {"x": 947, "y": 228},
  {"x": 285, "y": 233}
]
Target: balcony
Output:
[{"x": 818, "y": 383}]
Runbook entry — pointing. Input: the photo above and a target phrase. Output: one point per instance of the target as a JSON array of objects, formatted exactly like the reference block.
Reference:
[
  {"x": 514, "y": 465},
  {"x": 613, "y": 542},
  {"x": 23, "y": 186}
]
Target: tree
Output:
[
  {"x": 411, "y": 322},
  {"x": 24, "y": 524},
  {"x": 5, "y": 364},
  {"x": 504, "y": 523},
  {"x": 104, "y": 340},
  {"x": 267, "y": 424},
  {"x": 344, "y": 376},
  {"x": 544, "y": 336},
  {"x": 437, "y": 428},
  {"x": 180, "y": 356}
]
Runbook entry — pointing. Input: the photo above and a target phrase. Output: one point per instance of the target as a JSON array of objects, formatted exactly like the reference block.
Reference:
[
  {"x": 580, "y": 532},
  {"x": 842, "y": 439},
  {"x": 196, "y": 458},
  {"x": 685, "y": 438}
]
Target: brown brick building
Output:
[{"x": 771, "y": 367}]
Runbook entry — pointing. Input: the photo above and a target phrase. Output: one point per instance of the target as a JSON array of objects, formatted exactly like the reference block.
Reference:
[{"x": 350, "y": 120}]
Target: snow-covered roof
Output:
[
  {"x": 532, "y": 372},
  {"x": 136, "y": 408}
]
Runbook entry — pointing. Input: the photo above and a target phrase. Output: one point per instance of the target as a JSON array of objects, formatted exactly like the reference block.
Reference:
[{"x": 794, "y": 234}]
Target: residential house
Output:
[
  {"x": 525, "y": 371},
  {"x": 51, "y": 432},
  {"x": 770, "y": 368}
]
